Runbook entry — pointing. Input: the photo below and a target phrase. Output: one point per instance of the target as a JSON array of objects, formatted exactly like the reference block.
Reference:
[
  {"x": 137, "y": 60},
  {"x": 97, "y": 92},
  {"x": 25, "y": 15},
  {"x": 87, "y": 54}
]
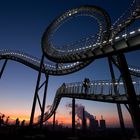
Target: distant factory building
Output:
[
  {"x": 102, "y": 123},
  {"x": 93, "y": 123}
]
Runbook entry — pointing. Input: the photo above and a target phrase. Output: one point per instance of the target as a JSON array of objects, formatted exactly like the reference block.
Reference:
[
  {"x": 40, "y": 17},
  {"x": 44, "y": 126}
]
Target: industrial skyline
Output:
[{"x": 28, "y": 20}]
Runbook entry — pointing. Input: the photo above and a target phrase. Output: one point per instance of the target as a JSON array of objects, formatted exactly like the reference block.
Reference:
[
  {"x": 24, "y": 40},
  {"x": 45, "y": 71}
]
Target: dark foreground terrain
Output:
[{"x": 27, "y": 133}]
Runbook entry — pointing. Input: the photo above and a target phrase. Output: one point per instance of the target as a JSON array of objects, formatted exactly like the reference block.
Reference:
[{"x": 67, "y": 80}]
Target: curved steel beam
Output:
[
  {"x": 58, "y": 55},
  {"x": 50, "y": 67}
]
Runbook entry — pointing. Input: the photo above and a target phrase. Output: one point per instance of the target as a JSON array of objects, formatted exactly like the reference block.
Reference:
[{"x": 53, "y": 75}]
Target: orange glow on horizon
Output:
[
  {"x": 111, "y": 121},
  {"x": 21, "y": 117},
  {"x": 65, "y": 120}
]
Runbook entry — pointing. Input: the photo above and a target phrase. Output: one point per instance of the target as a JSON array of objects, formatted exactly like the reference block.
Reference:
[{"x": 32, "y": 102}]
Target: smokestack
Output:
[
  {"x": 84, "y": 120},
  {"x": 102, "y": 123},
  {"x": 93, "y": 123},
  {"x": 81, "y": 113},
  {"x": 96, "y": 123}
]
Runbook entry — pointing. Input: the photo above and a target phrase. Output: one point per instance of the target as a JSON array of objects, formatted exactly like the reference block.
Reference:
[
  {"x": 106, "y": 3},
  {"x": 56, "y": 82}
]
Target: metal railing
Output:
[{"x": 101, "y": 87}]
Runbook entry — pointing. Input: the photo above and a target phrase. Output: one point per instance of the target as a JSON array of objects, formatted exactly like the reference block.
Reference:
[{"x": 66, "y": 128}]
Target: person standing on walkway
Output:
[{"x": 86, "y": 85}]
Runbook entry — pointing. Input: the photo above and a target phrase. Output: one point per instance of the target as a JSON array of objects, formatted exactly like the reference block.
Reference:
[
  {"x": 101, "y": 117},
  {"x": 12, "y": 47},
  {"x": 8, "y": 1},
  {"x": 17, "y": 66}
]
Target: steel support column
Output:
[
  {"x": 130, "y": 92},
  {"x": 54, "y": 120},
  {"x": 36, "y": 91},
  {"x": 116, "y": 92},
  {"x": 73, "y": 115},
  {"x": 44, "y": 100},
  {"x": 3, "y": 67}
]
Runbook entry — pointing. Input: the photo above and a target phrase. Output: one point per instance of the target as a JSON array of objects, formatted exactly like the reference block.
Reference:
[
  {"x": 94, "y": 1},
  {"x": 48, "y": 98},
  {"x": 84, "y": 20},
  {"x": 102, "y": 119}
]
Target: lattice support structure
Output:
[{"x": 36, "y": 95}]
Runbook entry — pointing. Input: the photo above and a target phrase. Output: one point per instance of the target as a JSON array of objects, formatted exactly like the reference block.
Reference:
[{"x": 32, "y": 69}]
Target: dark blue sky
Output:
[{"x": 22, "y": 24}]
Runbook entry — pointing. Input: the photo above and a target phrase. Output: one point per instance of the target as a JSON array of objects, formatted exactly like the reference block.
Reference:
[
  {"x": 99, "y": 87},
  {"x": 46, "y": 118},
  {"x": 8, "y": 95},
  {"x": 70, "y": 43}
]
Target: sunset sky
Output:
[{"x": 22, "y": 24}]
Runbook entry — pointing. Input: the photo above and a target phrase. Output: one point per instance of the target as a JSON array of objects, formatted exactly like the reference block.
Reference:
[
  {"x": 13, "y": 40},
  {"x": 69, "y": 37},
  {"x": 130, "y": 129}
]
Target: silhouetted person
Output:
[
  {"x": 1, "y": 120},
  {"x": 23, "y": 123},
  {"x": 3, "y": 116},
  {"x": 63, "y": 88},
  {"x": 7, "y": 120},
  {"x": 86, "y": 84},
  {"x": 17, "y": 122}
]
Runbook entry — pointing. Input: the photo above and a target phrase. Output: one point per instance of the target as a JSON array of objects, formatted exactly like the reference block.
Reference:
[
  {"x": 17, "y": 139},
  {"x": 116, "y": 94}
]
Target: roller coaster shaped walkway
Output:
[{"x": 109, "y": 41}]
